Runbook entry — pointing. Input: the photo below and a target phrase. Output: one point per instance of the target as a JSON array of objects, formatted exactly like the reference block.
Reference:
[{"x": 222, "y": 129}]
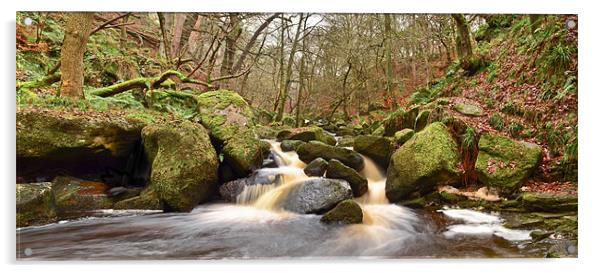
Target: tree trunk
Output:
[
  {"x": 78, "y": 26},
  {"x": 388, "y": 59},
  {"x": 463, "y": 42},
  {"x": 289, "y": 67}
]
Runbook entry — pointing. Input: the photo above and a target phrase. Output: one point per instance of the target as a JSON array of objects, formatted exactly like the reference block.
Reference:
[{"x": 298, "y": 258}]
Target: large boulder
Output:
[
  {"x": 245, "y": 153},
  {"x": 316, "y": 167},
  {"x": 307, "y": 134},
  {"x": 35, "y": 204},
  {"x": 428, "y": 159},
  {"x": 231, "y": 123},
  {"x": 338, "y": 170},
  {"x": 548, "y": 202},
  {"x": 346, "y": 212},
  {"x": 314, "y": 149},
  {"x": 504, "y": 163},
  {"x": 184, "y": 164},
  {"x": 146, "y": 200},
  {"x": 225, "y": 113},
  {"x": 316, "y": 195},
  {"x": 377, "y": 148},
  {"x": 52, "y": 142}
]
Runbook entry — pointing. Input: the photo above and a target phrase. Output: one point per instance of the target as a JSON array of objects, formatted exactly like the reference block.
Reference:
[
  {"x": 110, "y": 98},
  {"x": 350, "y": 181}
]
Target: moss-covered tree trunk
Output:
[
  {"x": 463, "y": 42},
  {"x": 78, "y": 26},
  {"x": 389, "y": 62},
  {"x": 289, "y": 70}
]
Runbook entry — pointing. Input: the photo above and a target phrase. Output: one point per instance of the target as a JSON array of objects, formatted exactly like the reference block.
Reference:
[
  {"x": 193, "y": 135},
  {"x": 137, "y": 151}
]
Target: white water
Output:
[{"x": 257, "y": 227}]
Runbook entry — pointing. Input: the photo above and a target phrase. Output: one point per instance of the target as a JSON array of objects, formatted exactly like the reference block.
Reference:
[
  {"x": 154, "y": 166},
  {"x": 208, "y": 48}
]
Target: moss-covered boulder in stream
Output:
[
  {"x": 225, "y": 113},
  {"x": 316, "y": 167},
  {"x": 377, "y": 148},
  {"x": 307, "y": 134},
  {"x": 184, "y": 164},
  {"x": 230, "y": 121},
  {"x": 428, "y": 159},
  {"x": 346, "y": 212},
  {"x": 338, "y": 170},
  {"x": 314, "y": 149},
  {"x": 35, "y": 204},
  {"x": 504, "y": 163},
  {"x": 245, "y": 153}
]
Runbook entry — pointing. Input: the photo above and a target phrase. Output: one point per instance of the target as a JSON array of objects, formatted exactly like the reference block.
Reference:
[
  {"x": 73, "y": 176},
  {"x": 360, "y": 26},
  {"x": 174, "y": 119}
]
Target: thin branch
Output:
[{"x": 109, "y": 22}]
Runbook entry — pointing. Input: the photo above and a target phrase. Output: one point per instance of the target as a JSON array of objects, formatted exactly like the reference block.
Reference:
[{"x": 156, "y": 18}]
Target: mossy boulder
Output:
[
  {"x": 316, "y": 167},
  {"x": 314, "y": 149},
  {"x": 265, "y": 132},
  {"x": 245, "y": 153},
  {"x": 346, "y": 212},
  {"x": 346, "y": 141},
  {"x": 307, "y": 134},
  {"x": 377, "y": 148},
  {"x": 184, "y": 164},
  {"x": 316, "y": 195},
  {"x": 35, "y": 204},
  {"x": 51, "y": 133},
  {"x": 403, "y": 136},
  {"x": 338, "y": 170},
  {"x": 379, "y": 131},
  {"x": 468, "y": 109},
  {"x": 73, "y": 195},
  {"x": 428, "y": 159},
  {"x": 548, "y": 202},
  {"x": 288, "y": 145},
  {"x": 504, "y": 163},
  {"x": 225, "y": 113},
  {"x": 52, "y": 142}
]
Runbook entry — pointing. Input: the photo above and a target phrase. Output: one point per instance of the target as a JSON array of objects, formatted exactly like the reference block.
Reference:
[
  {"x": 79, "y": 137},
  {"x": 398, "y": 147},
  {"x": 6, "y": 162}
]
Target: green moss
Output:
[
  {"x": 429, "y": 158},
  {"x": 422, "y": 120},
  {"x": 345, "y": 212},
  {"x": 468, "y": 109},
  {"x": 184, "y": 164},
  {"x": 225, "y": 114},
  {"x": 245, "y": 153},
  {"x": 314, "y": 149},
  {"x": 548, "y": 202},
  {"x": 504, "y": 163},
  {"x": 403, "y": 136},
  {"x": 35, "y": 204}
]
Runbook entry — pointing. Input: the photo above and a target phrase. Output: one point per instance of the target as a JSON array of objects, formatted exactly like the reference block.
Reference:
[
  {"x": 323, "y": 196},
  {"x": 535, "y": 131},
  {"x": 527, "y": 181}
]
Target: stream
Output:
[{"x": 257, "y": 227}]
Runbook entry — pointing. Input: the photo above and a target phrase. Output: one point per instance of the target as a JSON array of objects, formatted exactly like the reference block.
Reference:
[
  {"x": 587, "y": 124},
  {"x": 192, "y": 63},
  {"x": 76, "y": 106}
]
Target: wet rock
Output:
[
  {"x": 428, "y": 159},
  {"x": 307, "y": 134},
  {"x": 230, "y": 190},
  {"x": 548, "y": 202},
  {"x": 403, "y": 136},
  {"x": 346, "y": 212},
  {"x": 35, "y": 204},
  {"x": 245, "y": 153},
  {"x": 316, "y": 167},
  {"x": 184, "y": 164},
  {"x": 288, "y": 145},
  {"x": 468, "y": 109},
  {"x": 314, "y": 149},
  {"x": 338, "y": 170},
  {"x": 377, "y": 148},
  {"x": 538, "y": 235},
  {"x": 317, "y": 195},
  {"x": 74, "y": 195},
  {"x": 504, "y": 163}
]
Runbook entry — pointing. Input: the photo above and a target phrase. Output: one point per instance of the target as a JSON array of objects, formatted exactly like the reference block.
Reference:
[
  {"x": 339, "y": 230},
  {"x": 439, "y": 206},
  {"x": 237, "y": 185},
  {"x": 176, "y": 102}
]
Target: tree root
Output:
[{"x": 41, "y": 82}]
